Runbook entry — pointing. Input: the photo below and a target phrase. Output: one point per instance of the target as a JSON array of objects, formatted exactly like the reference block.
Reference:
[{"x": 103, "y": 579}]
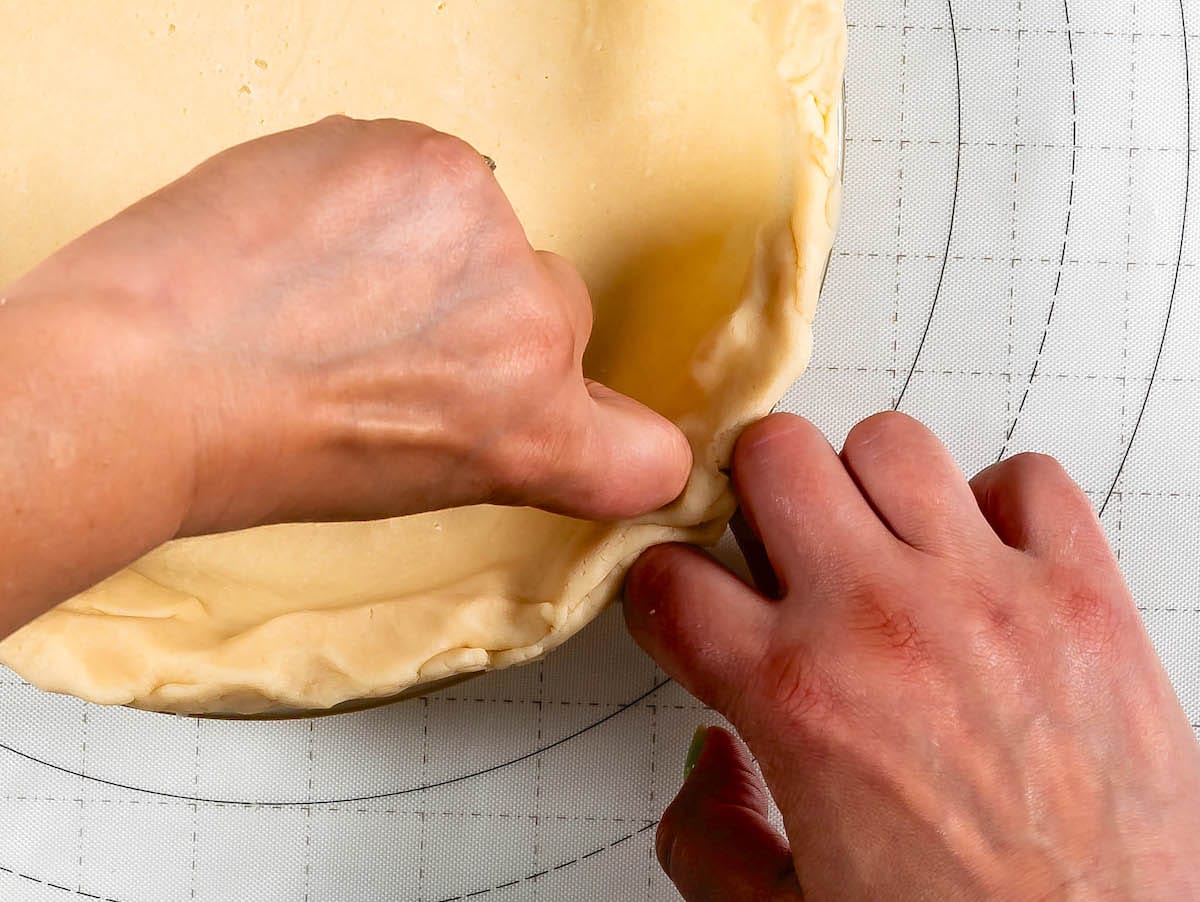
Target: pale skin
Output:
[
  {"x": 945, "y": 683},
  {"x": 343, "y": 321}
]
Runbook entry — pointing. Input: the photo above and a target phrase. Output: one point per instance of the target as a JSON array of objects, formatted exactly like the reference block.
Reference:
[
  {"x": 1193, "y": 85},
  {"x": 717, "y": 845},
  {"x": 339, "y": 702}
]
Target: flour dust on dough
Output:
[{"x": 683, "y": 153}]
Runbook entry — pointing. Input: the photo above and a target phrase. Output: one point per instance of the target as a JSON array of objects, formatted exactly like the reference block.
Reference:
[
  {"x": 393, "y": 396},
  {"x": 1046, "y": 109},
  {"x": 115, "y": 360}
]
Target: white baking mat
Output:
[{"x": 1016, "y": 268}]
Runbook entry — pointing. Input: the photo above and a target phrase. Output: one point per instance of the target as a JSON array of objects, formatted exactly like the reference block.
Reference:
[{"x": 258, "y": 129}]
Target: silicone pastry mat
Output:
[{"x": 1016, "y": 268}]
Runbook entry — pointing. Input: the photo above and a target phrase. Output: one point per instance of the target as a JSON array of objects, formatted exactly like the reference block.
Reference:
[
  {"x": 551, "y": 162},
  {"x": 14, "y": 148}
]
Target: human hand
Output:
[
  {"x": 353, "y": 325},
  {"x": 951, "y": 695}
]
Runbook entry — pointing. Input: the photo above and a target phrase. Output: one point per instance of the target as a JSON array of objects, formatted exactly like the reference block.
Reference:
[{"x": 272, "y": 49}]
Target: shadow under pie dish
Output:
[{"x": 685, "y": 155}]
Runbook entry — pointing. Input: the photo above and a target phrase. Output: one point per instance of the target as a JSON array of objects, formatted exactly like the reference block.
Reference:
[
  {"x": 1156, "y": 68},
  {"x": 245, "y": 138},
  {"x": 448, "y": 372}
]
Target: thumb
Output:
[
  {"x": 714, "y": 841},
  {"x": 628, "y": 460}
]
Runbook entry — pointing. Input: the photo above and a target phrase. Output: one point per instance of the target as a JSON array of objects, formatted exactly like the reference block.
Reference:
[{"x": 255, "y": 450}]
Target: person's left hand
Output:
[
  {"x": 345, "y": 321},
  {"x": 350, "y": 323}
]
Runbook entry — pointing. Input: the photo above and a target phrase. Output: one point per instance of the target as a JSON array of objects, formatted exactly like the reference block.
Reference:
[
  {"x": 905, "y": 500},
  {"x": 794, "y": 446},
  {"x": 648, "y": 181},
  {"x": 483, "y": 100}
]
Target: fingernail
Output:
[{"x": 694, "y": 750}]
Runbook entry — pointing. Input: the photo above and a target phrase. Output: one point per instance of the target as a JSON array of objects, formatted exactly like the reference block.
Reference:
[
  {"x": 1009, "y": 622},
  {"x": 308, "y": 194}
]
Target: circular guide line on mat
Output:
[
  {"x": 937, "y": 292},
  {"x": 1062, "y": 257},
  {"x": 1183, "y": 224},
  {"x": 315, "y": 803}
]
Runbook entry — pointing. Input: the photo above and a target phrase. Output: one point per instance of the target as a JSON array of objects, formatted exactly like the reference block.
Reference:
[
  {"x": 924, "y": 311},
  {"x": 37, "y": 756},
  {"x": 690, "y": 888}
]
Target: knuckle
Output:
[
  {"x": 340, "y": 125},
  {"x": 565, "y": 285},
  {"x": 541, "y": 347},
  {"x": 394, "y": 157},
  {"x": 793, "y": 684},
  {"x": 449, "y": 159},
  {"x": 995, "y": 614},
  {"x": 1092, "y": 615},
  {"x": 1031, "y": 466},
  {"x": 566, "y": 278},
  {"x": 338, "y": 122},
  {"x": 366, "y": 140},
  {"x": 890, "y": 628},
  {"x": 550, "y": 333},
  {"x": 542, "y": 359},
  {"x": 996, "y": 623}
]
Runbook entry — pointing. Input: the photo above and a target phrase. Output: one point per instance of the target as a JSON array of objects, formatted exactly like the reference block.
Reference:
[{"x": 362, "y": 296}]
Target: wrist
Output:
[
  {"x": 96, "y": 462},
  {"x": 150, "y": 317},
  {"x": 103, "y": 365}
]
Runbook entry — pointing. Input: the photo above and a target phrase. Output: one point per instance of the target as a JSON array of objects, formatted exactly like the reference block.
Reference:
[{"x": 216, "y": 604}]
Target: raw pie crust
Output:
[{"x": 683, "y": 153}]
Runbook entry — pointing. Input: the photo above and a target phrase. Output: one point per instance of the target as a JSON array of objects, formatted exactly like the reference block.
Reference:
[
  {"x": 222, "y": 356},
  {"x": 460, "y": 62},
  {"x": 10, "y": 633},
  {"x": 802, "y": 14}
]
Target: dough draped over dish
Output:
[{"x": 684, "y": 154}]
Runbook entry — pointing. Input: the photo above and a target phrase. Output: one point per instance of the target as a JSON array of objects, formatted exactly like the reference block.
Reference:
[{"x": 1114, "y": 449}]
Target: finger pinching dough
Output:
[{"x": 683, "y": 153}]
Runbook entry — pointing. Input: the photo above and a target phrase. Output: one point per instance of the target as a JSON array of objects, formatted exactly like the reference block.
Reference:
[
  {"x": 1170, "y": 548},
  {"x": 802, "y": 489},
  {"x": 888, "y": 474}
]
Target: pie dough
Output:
[{"x": 684, "y": 153}]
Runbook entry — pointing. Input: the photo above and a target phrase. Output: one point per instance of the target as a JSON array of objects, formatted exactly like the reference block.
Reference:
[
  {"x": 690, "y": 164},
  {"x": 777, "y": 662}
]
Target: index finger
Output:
[{"x": 801, "y": 502}]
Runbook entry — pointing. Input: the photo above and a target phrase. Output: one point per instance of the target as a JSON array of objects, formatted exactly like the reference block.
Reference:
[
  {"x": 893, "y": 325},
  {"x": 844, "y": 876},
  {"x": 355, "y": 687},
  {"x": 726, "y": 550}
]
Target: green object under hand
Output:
[{"x": 694, "y": 750}]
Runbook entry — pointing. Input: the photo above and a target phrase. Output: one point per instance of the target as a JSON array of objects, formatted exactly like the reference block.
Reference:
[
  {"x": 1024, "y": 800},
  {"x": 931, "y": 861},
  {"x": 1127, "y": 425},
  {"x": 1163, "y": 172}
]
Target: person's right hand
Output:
[
  {"x": 947, "y": 686},
  {"x": 351, "y": 323}
]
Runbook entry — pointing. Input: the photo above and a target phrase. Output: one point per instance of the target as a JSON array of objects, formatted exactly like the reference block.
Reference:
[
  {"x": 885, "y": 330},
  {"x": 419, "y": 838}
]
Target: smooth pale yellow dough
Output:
[{"x": 684, "y": 153}]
